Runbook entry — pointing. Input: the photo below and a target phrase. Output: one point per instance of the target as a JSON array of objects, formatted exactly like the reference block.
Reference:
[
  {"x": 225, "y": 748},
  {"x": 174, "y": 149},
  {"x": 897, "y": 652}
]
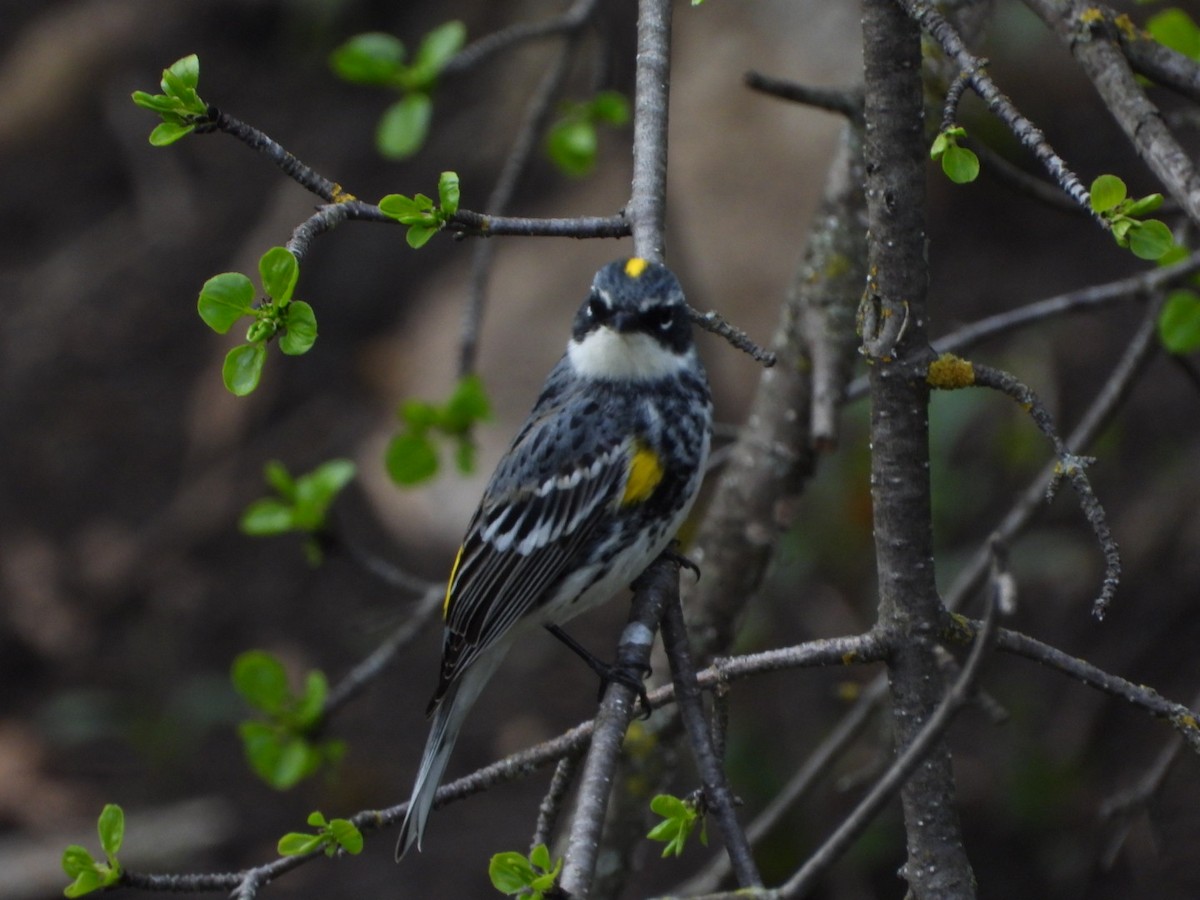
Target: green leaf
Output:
[
  {"x": 76, "y": 859},
  {"x": 297, "y": 844},
  {"x": 448, "y": 193},
  {"x": 186, "y": 70},
  {"x": 540, "y": 857},
  {"x": 371, "y": 58},
  {"x": 267, "y": 517},
  {"x": 510, "y": 872},
  {"x": 1151, "y": 239},
  {"x": 571, "y": 145},
  {"x": 467, "y": 405},
  {"x": 418, "y": 235},
  {"x": 1174, "y": 28},
  {"x": 347, "y": 836},
  {"x": 329, "y": 478},
  {"x": 224, "y": 299},
  {"x": 278, "y": 477},
  {"x": 610, "y": 107},
  {"x": 437, "y": 48},
  {"x": 167, "y": 133},
  {"x": 403, "y": 126},
  {"x": 1179, "y": 322},
  {"x": 960, "y": 164},
  {"x": 402, "y": 209},
  {"x": 278, "y": 269},
  {"x": 1107, "y": 192},
  {"x": 312, "y": 702},
  {"x": 243, "y": 368},
  {"x": 411, "y": 458},
  {"x": 85, "y": 882},
  {"x": 1147, "y": 204},
  {"x": 419, "y": 415},
  {"x": 111, "y": 827},
  {"x": 262, "y": 681},
  {"x": 940, "y": 143},
  {"x": 300, "y": 324},
  {"x": 159, "y": 103}
]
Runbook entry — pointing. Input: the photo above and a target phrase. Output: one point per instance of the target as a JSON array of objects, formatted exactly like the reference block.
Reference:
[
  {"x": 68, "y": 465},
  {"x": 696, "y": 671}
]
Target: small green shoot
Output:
[
  {"x": 301, "y": 505},
  {"x": 87, "y": 873},
  {"x": 679, "y": 820},
  {"x": 377, "y": 59},
  {"x": 423, "y": 218},
  {"x": 960, "y": 164},
  {"x": 228, "y": 297},
  {"x": 529, "y": 877},
  {"x": 572, "y": 141},
  {"x": 1147, "y": 238},
  {"x": 412, "y": 455},
  {"x": 331, "y": 836},
  {"x": 280, "y": 749},
  {"x": 179, "y": 106}
]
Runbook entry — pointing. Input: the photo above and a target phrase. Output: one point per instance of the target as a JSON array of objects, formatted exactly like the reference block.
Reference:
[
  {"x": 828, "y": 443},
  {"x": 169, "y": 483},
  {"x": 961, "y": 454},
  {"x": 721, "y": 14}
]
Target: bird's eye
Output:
[
  {"x": 660, "y": 317},
  {"x": 597, "y": 310}
]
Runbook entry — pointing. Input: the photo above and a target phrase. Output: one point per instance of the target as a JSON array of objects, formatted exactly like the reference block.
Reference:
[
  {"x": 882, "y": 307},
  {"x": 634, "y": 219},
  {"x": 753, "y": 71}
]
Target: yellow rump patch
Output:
[
  {"x": 645, "y": 473},
  {"x": 635, "y": 267},
  {"x": 450, "y": 584}
]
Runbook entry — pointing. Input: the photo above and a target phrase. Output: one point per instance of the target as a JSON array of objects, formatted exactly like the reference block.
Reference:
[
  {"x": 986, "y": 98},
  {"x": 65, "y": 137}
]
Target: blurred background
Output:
[{"x": 126, "y": 589}]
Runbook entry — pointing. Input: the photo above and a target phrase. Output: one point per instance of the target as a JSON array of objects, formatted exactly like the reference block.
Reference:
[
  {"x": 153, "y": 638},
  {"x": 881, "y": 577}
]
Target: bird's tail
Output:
[{"x": 447, "y": 720}]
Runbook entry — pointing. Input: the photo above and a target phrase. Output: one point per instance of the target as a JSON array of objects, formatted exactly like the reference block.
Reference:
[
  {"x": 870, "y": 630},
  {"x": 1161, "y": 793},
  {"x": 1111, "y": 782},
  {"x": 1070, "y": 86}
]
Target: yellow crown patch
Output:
[{"x": 635, "y": 267}]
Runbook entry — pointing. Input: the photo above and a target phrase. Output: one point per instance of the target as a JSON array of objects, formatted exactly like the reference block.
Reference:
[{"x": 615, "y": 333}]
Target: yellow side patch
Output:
[
  {"x": 645, "y": 473},
  {"x": 635, "y": 267},
  {"x": 450, "y": 584}
]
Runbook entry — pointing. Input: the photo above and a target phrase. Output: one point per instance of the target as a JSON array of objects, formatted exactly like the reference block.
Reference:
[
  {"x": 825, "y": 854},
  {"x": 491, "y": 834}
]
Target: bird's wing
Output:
[{"x": 524, "y": 538}]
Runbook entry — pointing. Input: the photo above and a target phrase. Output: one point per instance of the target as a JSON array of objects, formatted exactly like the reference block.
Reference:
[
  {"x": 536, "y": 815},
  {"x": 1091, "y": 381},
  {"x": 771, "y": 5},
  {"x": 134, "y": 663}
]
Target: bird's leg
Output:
[{"x": 608, "y": 672}]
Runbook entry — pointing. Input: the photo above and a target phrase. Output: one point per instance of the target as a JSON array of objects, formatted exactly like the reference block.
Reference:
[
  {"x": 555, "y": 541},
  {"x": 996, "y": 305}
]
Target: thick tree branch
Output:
[{"x": 894, "y": 340}]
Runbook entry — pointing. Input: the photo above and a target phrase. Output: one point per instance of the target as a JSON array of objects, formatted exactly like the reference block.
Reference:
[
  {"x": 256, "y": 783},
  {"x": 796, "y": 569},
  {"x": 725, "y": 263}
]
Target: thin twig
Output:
[
  {"x": 818, "y": 763},
  {"x": 846, "y": 102},
  {"x": 552, "y": 802},
  {"x": 715, "y": 323},
  {"x": 533, "y": 122},
  {"x": 1070, "y": 466},
  {"x": 1182, "y": 719},
  {"x": 912, "y": 756},
  {"x": 488, "y": 46},
  {"x": 717, "y": 794},
  {"x": 1109, "y": 398}
]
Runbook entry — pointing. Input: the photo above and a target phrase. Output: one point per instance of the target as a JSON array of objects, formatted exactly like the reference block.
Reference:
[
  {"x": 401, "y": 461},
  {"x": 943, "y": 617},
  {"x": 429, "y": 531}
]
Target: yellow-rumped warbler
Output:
[{"x": 592, "y": 489}]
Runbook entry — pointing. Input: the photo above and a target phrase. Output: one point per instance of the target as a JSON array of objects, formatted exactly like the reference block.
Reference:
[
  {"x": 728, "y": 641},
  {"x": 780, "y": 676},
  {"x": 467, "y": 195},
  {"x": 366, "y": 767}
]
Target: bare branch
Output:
[
  {"x": 552, "y": 802},
  {"x": 713, "y": 322},
  {"x": 717, "y": 793},
  {"x": 951, "y": 372},
  {"x": 846, "y": 102},
  {"x": 923, "y": 743},
  {"x": 1183, "y": 720}
]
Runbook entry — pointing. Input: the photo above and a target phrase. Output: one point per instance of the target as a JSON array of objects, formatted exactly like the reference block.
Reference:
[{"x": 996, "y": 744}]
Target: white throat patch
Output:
[{"x": 605, "y": 353}]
